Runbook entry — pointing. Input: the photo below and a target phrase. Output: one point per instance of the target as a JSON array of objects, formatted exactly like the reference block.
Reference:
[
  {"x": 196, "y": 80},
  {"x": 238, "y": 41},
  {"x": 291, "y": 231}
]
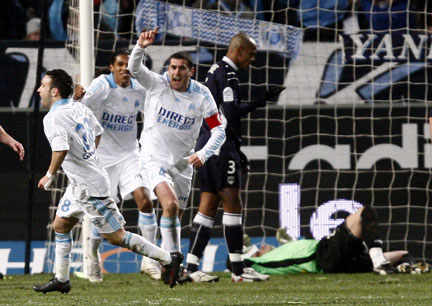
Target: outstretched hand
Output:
[{"x": 147, "y": 38}]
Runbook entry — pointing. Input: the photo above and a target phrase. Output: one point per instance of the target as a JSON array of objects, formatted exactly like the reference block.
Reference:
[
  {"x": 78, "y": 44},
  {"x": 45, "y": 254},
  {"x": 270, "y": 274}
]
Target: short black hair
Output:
[
  {"x": 62, "y": 81},
  {"x": 184, "y": 56},
  {"x": 117, "y": 52}
]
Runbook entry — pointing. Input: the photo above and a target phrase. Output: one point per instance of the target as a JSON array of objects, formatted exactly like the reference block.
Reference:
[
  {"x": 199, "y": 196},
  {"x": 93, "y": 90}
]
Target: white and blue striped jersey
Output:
[
  {"x": 116, "y": 109},
  {"x": 72, "y": 126},
  {"x": 172, "y": 118}
]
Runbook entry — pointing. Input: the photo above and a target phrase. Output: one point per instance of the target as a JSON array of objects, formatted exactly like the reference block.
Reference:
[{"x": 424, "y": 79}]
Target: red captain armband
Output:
[{"x": 214, "y": 120}]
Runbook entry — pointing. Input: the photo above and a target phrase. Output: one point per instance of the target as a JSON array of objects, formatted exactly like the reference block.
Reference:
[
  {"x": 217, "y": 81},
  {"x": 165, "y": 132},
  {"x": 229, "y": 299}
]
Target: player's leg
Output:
[
  {"x": 148, "y": 227},
  {"x": 367, "y": 218},
  {"x": 233, "y": 232},
  {"x": 63, "y": 247},
  {"x": 107, "y": 218},
  {"x": 208, "y": 177},
  {"x": 133, "y": 181},
  {"x": 94, "y": 271},
  {"x": 67, "y": 215},
  {"x": 169, "y": 222},
  {"x": 200, "y": 234}
]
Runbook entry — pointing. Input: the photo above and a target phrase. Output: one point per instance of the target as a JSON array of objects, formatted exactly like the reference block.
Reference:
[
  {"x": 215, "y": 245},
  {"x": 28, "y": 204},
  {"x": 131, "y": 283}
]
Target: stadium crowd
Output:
[{"x": 19, "y": 17}]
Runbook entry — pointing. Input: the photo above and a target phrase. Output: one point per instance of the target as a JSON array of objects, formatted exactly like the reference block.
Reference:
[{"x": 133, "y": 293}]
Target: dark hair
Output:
[
  {"x": 117, "y": 52},
  {"x": 62, "y": 81},
  {"x": 184, "y": 56}
]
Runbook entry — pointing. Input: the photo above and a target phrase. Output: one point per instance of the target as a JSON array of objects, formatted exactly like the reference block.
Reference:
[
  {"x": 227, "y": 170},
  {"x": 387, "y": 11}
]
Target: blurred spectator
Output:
[
  {"x": 234, "y": 8},
  {"x": 33, "y": 8},
  {"x": 33, "y": 29},
  {"x": 382, "y": 15},
  {"x": 58, "y": 15},
  {"x": 12, "y": 20},
  {"x": 105, "y": 17}
]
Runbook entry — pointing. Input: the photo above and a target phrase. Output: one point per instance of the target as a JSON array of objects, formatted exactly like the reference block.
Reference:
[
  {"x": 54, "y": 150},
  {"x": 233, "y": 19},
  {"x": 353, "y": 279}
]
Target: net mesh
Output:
[{"x": 349, "y": 129}]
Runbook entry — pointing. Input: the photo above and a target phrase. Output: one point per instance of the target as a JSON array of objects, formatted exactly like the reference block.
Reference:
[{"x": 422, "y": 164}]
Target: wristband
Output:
[{"x": 48, "y": 175}]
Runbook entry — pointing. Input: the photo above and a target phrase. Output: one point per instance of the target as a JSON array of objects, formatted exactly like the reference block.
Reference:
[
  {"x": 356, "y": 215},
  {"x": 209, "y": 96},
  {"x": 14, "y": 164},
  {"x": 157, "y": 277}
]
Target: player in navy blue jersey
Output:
[{"x": 220, "y": 177}]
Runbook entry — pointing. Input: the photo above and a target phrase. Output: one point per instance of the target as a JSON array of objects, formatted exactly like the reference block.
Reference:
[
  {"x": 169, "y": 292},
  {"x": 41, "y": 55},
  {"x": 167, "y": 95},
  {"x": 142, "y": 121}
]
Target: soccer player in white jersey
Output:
[
  {"x": 115, "y": 100},
  {"x": 74, "y": 133},
  {"x": 174, "y": 111}
]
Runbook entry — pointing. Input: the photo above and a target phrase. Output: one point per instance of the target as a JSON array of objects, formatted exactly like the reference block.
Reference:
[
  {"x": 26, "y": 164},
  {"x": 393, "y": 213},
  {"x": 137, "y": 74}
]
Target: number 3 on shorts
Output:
[{"x": 231, "y": 167}]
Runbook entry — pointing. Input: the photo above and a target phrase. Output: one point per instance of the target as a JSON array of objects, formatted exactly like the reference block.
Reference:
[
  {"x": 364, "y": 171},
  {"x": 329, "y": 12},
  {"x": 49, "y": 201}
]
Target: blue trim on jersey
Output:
[
  {"x": 189, "y": 88},
  {"x": 59, "y": 103},
  {"x": 132, "y": 83},
  {"x": 110, "y": 80}
]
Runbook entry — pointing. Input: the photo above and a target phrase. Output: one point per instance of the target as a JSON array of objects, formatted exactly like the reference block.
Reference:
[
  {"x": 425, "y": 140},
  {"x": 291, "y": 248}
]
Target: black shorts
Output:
[
  {"x": 342, "y": 252},
  {"x": 219, "y": 172}
]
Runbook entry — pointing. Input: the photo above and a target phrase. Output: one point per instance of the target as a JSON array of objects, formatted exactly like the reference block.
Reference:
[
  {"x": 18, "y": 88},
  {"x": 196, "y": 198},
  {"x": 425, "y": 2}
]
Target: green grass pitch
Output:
[{"x": 305, "y": 289}]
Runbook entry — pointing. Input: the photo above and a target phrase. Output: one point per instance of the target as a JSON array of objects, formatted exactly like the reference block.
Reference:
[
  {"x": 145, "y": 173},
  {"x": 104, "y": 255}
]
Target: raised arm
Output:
[{"x": 135, "y": 65}]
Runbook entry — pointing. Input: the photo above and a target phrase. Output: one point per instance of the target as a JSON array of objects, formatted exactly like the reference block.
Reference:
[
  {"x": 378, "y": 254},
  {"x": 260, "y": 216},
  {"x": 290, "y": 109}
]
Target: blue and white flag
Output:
[{"x": 215, "y": 27}]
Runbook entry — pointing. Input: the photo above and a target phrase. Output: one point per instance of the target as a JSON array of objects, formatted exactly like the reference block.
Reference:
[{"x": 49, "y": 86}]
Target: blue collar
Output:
[
  {"x": 112, "y": 83},
  {"x": 59, "y": 103}
]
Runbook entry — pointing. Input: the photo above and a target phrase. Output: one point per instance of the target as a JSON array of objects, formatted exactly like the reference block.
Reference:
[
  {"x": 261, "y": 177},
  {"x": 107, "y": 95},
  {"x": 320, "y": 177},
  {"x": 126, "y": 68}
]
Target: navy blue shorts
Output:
[{"x": 219, "y": 172}]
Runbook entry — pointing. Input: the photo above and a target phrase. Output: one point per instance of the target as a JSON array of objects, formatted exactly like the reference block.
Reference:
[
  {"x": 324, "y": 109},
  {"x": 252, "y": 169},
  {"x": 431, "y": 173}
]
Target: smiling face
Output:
[
  {"x": 179, "y": 74},
  {"x": 119, "y": 69}
]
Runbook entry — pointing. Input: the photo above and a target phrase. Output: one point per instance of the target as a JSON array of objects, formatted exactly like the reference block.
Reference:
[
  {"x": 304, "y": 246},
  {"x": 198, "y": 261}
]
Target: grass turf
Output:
[{"x": 307, "y": 289}]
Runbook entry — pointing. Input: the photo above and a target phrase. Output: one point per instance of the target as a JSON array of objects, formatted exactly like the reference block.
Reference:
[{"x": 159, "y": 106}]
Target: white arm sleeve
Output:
[
  {"x": 94, "y": 94},
  {"x": 214, "y": 143},
  {"x": 139, "y": 71}
]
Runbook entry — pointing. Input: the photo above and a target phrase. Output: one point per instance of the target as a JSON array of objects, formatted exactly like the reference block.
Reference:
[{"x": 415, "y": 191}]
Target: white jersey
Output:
[
  {"x": 116, "y": 109},
  {"x": 172, "y": 118},
  {"x": 72, "y": 126}
]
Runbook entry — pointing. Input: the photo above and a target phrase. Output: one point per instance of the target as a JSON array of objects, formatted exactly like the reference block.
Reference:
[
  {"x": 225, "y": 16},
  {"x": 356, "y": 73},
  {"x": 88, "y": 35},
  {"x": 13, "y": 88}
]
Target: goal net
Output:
[{"x": 350, "y": 129}]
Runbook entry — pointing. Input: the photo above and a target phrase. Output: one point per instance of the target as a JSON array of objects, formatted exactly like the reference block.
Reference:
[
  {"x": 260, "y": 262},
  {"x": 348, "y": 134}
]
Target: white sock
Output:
[
  {"x": 148, "y": 226},
  {"x": 94, "y": 243},
  {"x": 170, "y": 228},
  {"x": 63, "y": 249},
  {"x": 377, "y": 256},
  {"x": 139, "y": 245}
]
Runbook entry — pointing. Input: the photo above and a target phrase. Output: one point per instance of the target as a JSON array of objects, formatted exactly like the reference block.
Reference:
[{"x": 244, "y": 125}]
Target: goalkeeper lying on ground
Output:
[{"x": 354, "y": 247}]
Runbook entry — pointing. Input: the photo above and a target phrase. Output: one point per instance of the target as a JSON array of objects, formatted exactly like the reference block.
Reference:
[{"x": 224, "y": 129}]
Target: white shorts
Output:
[
  {"x": 125, "y": 177},
  {"x": 181, "y": 179},
  {"x": 104, "y": 214}
]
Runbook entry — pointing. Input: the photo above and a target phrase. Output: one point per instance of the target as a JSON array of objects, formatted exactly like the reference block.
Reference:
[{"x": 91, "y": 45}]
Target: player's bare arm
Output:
[
  {"x": 57, "y": 158},
  {"x": 12, "y": 143},
  {"x": 97, "y": 140}
]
